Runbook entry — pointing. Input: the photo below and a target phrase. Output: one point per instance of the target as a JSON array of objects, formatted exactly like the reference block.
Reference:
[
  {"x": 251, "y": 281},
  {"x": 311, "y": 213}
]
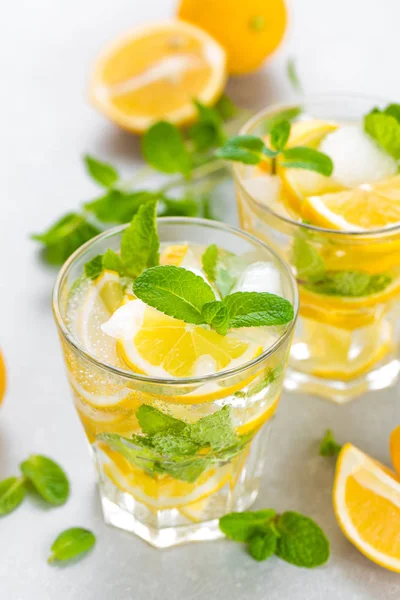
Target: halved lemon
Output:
[
  {"x": 155, "y": 71},
  {"x": 368, "y": 206},
  {"x": 366, "y": 500},
  {"x": 395, "y": 448}
]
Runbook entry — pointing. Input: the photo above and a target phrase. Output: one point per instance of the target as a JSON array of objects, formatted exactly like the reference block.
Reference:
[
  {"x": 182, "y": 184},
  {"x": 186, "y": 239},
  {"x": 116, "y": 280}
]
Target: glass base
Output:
[{"x": 341, "y": 392}]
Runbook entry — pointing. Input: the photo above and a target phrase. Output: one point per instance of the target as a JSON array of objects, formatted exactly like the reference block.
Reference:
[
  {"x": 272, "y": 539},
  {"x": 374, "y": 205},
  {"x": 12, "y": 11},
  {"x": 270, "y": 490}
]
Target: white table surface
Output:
[{"x": 46, "y": 124}]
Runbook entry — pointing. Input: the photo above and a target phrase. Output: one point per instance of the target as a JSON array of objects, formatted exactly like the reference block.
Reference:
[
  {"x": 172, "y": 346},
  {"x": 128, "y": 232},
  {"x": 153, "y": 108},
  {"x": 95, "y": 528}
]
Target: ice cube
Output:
[
  {"x": 126, "y": 321},
  {"x": 356, "y": 157},
  {"x": 264, "y": 188},
  {"x": 259, "y": 277}
]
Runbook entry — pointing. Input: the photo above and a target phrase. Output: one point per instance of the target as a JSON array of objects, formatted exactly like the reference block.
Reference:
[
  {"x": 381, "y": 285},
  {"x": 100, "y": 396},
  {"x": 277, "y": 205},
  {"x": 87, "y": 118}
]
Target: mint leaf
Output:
[
  {"x": 302, "y": 157},
  {"x": 270, "y": 376},
  {"x": 71, "y": 543},
  {"x": 119, "y": 207},
  {"x": 65, "y": 236},
  {"x": 174, "y": 291},
  {"x": 242, "y": 148},
  {"x": 186, "y": 470},
  {"x": 293, "y": 76},
  {"x": 94, "y": 267},
  {"x": 47, "y": 477},
  {"x": 209, "y": 262},
  {"x": 140, "y": 243},
  {"x": 12, "y": 492},
  {"x": 256, "y": 309},
  {"x": 263, "y": 544},
  {"x": 351, "y": 283},
  {"x": 184, "y": 207},
  {"x": 103, "y": 173},
  {"x": 221, "y": 268},
  {"x": 302, "y": 542},
  {"x": 242, "y": 526},
  {"x": 215, "y": 430},
  {"x": 136, "y": 450},
  {"x": 329, "y": 446},
  {"x": 164, "y": 149},
  {"x": 173, "y": 443},
  {"x": 154, "y": 421},
  {"x": 287, "y": 114},
  {"x": 384, "y": 127},
  {"x": 112, "y": 262},
  {"x": 307, "y": 260},
  {"x": 216, "y": 314},
  {"x": 208, "y": 131},
  {"x": 280, "y": 135},
  {"x": 226, "y": 108}
]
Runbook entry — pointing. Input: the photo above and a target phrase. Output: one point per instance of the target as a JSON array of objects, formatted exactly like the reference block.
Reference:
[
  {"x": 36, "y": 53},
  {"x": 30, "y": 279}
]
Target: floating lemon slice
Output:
[
  {"x": 368, "y": 206},
  {"x": 174, "y": 255},
  {"x": 366, "y": 500},
  {"x": 154, "y": 72}
]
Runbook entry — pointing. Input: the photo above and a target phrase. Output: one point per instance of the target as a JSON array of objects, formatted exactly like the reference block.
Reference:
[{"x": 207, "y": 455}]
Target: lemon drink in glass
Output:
[
  {"x": 319, "y": 183},
  {"x": 175, "y": 340}
]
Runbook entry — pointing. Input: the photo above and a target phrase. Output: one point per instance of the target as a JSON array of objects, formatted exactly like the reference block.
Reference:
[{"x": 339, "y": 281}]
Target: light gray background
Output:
[{"x": 46, "y": 50}]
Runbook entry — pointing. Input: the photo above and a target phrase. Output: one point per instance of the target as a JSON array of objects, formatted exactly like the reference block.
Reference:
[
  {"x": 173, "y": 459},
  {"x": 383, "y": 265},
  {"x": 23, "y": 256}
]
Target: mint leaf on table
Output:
[
  {"x": 140, "y": 243},
  {"x": 71, "y": 543},
  {"x": 226, "y": 108},
  {"x": 328, "y": 445},
  {"x": 119, "y": 207},
  {"x": 164, "y": 149},
  {"x": 47, "y": 477},
  {"x": 384, "y": 127},
  {"x": 12, "y": 492},
  {"x": 256, "y": 309},
  {"x": 208, "y": 131},
  {"x": 247, "y": 149},
  {"x": 307, "y": 260},
  {"x": 216, "y": 314},
  {"x": 215, "y": 430},
  {"x": 103, "y": 173},
  {"x": 302, "y": 157},
  {"x": 293, "y": 75},
  {"x": 65, "y": 236},
  {"x": 154, "y": 421},
  {"x": 286, "y": 114},
  {"x": 279, "y": 135},
  {"x": 263, "y": 544},
  {"x": 174, "y": 291},
  {"x": 301, "y": 541},
  {"x": 242, "y": 526}
]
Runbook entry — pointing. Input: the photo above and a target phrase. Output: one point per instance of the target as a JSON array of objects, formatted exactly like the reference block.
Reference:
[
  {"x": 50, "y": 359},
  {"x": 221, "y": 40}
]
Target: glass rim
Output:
[
  {"x": 172, "y": 381},
  {"x": 311, "y": 99}
]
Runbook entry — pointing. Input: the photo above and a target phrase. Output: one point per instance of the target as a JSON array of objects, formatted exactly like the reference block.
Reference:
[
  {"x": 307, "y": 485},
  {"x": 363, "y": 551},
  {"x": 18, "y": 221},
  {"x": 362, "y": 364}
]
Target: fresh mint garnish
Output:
[
  {"x": 257, "y": 309},
  {"x": 263, "y": 544},
  {"x": 307, "y": 261},
  {"x": 291, "y": 536},
  {"x": 221, "y": 267},
  {"x": 286, "y": 114},
  {"x": 209, "y": 261},
  {"x": 270, "y": 376},
  {"x": 226, "y": 108},
  {"x": 71, "y": 543},
  {"x": 242, "y": 526},
  {"x": 94, "y": 267},
  {"x": 65, "y": 236},
  {"x": 103, "y": 173},
  {"x": 119, "y": 207},
  {"x": 293, "y": 76},
  {"x": 140, "y": 243},
  {"x": 174, "y": 291},
  {"x": 174, "y": 447},
  {"x": 181, "y": 294},
  {"x": 252, "y": 150},
  {"x": 208, "y": 131},
  {"x": 48, "y": 478},
  {"x": 112, "y": 262},
  {"x": 301, "y": 541},
  {"x": 12, "y": 492},
  {"x": 328, "y": 445},
  {"x": 384, "y": 127},
  {"x": 164, "y": 149}
]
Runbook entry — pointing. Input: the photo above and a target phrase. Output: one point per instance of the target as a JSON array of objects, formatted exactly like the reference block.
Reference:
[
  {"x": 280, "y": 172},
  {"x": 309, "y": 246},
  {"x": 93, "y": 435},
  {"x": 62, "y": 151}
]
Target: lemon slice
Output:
[
  {"x": 174, "y": 254},
  {"x": 368, "y": 206},
  {"x": 366, "y": 500},
  {"x": 155, "y": 71}
]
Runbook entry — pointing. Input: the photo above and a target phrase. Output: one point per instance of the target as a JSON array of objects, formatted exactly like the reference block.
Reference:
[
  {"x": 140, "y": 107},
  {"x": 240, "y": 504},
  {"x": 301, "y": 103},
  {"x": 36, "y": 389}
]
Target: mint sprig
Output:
[
  {"x": 384, "y": 127},
  {"x": 252, "y": 150},
  {"x": 71, "y": 543},
  {"x": 221, "y": 267},
  {"x": 174, "y": 447},
  {"x": 328, "y": 445},
  {"x": 164, "y": 148},
  {"x": 47, "y": 477},
  {"x": 291, "y": 536},
  {"x": 104, "y": 173},
  {"x": 181, "y": 294},
  {"x": 140, "y": 243}
]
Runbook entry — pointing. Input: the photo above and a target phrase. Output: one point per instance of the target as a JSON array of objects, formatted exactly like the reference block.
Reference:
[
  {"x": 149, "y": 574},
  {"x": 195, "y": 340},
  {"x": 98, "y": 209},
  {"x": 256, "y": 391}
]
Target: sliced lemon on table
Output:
[
  {"x": 155, "y": 71},
  {"x": 366, "y": 499},
  {"x": 368, "y": 206}
]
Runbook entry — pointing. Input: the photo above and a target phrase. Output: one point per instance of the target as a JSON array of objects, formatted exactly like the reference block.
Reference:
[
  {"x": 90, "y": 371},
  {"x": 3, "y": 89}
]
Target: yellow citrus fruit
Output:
[
  {"x": 154, "y": 72},
  {"x": 3, "y": 378},
  {"x": 366, "y": 499},
  {"x": 249, "y": 31},
  {"x": 368, "y": 206},
  {"x": 173, "y": 255},
  {"x": 395, "y": 449}
]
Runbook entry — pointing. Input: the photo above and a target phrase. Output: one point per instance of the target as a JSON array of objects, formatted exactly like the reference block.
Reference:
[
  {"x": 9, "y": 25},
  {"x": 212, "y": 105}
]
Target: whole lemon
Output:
[{"x": 249, "y": 30}]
